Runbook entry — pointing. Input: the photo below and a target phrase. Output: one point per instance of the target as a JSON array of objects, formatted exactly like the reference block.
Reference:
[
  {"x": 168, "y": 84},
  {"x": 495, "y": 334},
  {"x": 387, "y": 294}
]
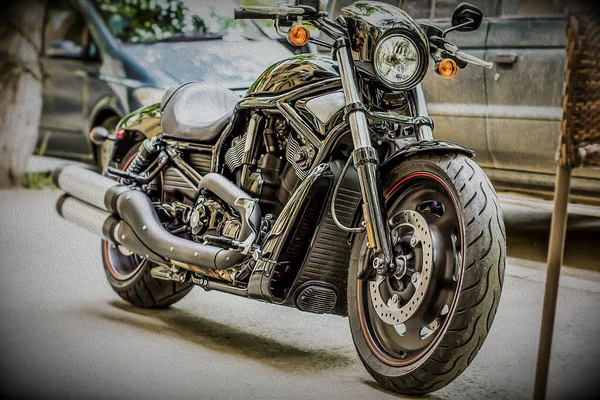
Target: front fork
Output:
[
  {"x": 366, "y": 160},
  {"x": 366, "y": 163}
]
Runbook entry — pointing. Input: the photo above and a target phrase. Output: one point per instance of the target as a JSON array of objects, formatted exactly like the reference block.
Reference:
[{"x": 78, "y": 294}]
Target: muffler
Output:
[{"x": 126, "y": 216}]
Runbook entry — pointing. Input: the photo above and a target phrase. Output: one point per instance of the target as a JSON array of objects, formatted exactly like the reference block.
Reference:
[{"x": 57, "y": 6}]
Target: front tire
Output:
[{"x": 467, "y": 284}]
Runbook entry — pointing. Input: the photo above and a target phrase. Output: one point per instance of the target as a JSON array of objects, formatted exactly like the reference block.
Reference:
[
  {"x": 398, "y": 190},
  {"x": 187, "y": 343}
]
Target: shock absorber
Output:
[{"x": 146, "y": 155}]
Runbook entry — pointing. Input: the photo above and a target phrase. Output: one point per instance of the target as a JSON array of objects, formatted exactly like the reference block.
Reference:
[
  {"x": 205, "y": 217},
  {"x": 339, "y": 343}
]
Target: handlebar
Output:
[
  {"x": 441, "y": 48},
  {"x": 261, "y": 12},
  {"x": 244, "y": 14},
  {"x": 461, "y": 55}
]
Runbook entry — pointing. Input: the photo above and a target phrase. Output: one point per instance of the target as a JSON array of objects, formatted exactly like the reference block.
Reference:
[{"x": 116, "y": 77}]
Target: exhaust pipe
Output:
[
  {"x": 127, "y": 217},
  {"x": 82, "y": 214}
]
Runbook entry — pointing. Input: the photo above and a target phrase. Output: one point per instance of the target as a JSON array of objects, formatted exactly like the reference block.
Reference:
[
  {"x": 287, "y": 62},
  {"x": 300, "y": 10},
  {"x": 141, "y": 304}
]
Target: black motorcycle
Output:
[{"x": 322, "y": 189}]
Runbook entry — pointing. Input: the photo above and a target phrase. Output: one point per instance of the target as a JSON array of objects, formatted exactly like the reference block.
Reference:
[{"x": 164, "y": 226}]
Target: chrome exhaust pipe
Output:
[
  {"x": 84, "y": 215},
  {"x": 88, "y": 186},
  {"x": 127, "y": 217}
]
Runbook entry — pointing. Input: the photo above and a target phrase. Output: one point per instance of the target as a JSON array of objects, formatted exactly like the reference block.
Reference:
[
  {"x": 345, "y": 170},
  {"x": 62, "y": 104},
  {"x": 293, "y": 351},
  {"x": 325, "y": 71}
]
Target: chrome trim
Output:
[
  {"x": 420, "y": 110},
  {"x": 400, "y": 119},
  {"x": 357, "y": 120},
  {"x": 275, "y": 11},
  {"x": 267, "y": 101},
  {"x": 290, "y": 114},
  {"x": 249, "y": 146},
  {"x": 365, "y": 160}
]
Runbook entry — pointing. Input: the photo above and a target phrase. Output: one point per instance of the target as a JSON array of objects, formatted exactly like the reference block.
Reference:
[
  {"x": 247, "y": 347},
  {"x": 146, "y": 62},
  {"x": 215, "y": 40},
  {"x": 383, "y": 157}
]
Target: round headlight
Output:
[{"x": 397, "y": 62}]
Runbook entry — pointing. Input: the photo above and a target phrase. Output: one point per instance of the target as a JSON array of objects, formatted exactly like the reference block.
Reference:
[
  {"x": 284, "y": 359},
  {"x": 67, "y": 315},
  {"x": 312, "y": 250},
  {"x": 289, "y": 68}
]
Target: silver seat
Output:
[{"x": 197, "y": 111}]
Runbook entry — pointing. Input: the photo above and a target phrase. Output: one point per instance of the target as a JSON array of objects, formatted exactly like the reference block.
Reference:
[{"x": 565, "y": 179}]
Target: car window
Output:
[
  {"x": 443, "y": 8},
  {"x": 65, "y": 31},
  {"x": 523, "y": 8},
  {"x": 162, "y": 20}
]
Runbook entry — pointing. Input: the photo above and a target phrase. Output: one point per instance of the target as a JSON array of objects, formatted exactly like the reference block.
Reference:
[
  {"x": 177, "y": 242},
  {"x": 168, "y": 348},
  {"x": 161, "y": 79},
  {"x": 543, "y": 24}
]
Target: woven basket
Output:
[{"x": 580, "y": 136}]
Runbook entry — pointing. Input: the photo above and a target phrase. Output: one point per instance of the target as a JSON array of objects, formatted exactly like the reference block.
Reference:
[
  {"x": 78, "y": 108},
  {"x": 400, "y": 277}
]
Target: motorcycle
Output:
[{"x": 323, "y": 189}]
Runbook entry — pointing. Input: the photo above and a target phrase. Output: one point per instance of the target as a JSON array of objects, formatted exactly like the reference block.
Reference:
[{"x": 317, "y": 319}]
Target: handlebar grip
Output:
[
  {"x": 474, "y": 60},
  {"x": 243, "y": 14}
]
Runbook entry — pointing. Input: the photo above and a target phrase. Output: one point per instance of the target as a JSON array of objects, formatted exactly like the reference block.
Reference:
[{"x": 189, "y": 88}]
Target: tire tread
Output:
[{"x": 481, "y": 286}]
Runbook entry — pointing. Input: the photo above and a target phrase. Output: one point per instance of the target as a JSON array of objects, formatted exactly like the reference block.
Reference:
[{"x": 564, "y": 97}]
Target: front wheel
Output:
[{"x": 417, "y": 328}]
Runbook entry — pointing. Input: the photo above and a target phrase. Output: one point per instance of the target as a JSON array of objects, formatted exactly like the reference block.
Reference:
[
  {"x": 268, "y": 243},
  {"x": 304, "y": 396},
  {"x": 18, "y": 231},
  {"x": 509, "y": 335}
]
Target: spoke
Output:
[
  {"x": 413, "y": 327},
  {"x": 400, "y": 329},
  {"x": 446, "y": 224}
]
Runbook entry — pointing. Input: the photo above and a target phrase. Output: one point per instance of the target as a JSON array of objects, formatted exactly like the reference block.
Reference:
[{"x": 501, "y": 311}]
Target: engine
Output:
[
  {"x": 207, "y": 218},
  {"x": 210, "y": 217},
  {"x": 268, "y": 160}
]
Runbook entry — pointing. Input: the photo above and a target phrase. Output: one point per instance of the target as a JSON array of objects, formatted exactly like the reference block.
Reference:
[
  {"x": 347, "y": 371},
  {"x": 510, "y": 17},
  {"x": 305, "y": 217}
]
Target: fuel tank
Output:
[{"x": 293, "y": 73}]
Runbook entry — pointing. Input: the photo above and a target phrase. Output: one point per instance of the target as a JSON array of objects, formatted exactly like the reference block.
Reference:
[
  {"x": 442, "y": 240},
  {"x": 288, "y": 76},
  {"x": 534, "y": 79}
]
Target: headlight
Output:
[{"x": 397, "y": 62}]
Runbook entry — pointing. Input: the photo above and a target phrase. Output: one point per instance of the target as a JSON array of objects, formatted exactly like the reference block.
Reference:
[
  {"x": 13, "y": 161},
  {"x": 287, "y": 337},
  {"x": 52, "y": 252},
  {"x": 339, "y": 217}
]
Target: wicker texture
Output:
[{"x": 580, "y": 137}]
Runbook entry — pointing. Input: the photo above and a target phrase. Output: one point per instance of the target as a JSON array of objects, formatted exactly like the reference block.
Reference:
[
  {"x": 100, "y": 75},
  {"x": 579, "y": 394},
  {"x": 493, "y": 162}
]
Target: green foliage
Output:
[
  {"x": 148, "y": 20},
  {"x": 38, "y": 180}
]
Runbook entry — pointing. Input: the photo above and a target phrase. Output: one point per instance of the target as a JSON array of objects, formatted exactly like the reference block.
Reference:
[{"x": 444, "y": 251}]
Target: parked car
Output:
[
  {"x": 510, "y": 115},
  {"x": 103, "y": 61}
]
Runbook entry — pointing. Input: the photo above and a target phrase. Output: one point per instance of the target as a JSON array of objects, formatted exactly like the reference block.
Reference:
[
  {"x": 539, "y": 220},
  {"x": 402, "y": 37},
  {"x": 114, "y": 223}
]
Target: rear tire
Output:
[
  {"x": 141, "y": 289},
  {"x": 482, "y": 264},
  {"x": 130, "y": 277}
]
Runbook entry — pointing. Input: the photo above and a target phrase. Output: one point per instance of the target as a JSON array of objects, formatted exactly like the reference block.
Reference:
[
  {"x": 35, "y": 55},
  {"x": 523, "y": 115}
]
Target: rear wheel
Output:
[
  {"x": 418, "y": 328},
  {"x": 129, "y": 274}
]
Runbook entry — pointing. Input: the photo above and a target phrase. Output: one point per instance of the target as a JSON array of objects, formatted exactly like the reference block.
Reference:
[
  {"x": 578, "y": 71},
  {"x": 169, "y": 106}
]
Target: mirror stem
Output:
[{"x": 453, "y": 28}]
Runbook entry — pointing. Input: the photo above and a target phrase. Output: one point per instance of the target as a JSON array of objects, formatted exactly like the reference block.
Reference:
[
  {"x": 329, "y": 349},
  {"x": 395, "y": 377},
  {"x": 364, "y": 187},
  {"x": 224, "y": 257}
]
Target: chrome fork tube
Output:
[
  {"x": 366, "y": 162},
  {"x": 425, "y": 131}
]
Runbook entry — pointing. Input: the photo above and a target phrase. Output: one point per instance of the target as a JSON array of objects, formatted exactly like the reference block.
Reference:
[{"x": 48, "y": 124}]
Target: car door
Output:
[
  {"x": 527, "y": 44},
  {"x": 65, "y": 65},
  {"x": 458, "y": 105}
]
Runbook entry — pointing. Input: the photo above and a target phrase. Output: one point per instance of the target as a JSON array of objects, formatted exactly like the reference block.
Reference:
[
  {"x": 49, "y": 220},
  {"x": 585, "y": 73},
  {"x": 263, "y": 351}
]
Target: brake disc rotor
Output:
[{"x": 394, "y": 313}]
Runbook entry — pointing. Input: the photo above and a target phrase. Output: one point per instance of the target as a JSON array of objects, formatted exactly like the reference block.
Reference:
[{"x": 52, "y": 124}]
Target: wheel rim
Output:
[
  {"x": 121, "y": 265},
  {"x": 119, "y": 262},
  {"x": 401, "y": 339}
]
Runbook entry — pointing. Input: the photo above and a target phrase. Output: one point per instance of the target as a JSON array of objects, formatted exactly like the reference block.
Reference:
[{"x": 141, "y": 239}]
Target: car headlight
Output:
[{"x": 398, "y": 62}]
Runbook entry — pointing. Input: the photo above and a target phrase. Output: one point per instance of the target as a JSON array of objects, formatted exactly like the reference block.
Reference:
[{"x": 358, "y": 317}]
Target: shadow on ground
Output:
[
  {"x": 376, "y": 386},
  {"x": 217, "y": 336}
]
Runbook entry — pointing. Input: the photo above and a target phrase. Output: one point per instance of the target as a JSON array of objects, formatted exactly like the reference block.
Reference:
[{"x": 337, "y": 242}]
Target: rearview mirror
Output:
[{"x": 467, "y": 16}]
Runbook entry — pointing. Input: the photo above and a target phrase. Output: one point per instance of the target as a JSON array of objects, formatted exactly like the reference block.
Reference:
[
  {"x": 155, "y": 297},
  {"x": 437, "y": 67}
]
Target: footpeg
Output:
[{"x": 168, "y": 274}]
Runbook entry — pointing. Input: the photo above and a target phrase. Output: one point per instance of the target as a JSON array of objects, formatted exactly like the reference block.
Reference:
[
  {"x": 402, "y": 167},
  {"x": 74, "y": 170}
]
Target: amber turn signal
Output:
[
  {"x": 298, "y": 35},
  {"x": 447, "y": 68}
]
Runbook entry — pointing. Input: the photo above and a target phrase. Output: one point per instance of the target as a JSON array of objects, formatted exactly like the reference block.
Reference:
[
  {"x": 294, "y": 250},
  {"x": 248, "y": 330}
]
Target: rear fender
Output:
[{"x": 141, "y": 124}]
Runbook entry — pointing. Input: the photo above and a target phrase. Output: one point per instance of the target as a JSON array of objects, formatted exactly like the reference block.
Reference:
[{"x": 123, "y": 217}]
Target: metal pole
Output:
[{"x": 555, "y": 258}]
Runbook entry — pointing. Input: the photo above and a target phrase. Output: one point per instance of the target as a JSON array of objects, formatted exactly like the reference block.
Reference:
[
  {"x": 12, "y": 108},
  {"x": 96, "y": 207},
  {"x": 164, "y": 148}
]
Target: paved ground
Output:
[{"x": 65, "y": 333}]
